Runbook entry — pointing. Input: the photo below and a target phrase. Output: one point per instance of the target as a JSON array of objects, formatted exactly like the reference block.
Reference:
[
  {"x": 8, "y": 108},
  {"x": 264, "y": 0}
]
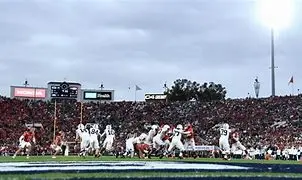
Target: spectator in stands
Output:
[{"x": 262, "y": 122}]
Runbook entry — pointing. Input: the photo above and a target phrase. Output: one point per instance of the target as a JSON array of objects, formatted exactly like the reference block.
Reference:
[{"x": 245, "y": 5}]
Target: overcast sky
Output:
[{"x": 145, "y": 42}]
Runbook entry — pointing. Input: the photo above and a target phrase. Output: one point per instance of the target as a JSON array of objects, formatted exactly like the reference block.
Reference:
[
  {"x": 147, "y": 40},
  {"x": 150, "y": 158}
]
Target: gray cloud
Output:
[{"x": 146, "y": 42}]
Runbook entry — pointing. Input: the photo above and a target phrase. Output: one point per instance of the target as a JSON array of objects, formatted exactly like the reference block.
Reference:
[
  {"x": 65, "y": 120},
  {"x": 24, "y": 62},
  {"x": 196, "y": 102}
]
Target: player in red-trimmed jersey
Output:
[
  {"x": 189, "y": 137},
  {"x": 167, "y": 139},
  {"x": 58, "y": 143},
  {"x": 140, "y": 145},
  {"x": 236, "y": 144},
  {"x": 143, "y": 150},
  {"x": 189, "y": 141},
  {"x": 25, "y": 141}
]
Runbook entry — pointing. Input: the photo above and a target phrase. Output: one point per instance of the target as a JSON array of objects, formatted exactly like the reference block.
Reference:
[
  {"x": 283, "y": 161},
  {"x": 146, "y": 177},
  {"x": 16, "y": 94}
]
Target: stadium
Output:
[
  {"x": 273, "y": 145},
  {"x": 188, "y": 95}
]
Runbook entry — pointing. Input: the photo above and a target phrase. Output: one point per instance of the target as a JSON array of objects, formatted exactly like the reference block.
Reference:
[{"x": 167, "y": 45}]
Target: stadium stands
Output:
[{"x": 262, "y": 122}]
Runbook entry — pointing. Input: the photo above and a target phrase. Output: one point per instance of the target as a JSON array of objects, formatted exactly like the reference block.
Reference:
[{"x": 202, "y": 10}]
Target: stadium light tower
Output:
[
  {"x": 276, "y": 14},
  {"x": 102, "y": 86}
]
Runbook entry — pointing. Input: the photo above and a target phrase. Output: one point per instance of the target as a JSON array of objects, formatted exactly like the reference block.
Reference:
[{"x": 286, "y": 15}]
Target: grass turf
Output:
[
  {"x": 147, "y": 174},
  {"x": 111, "y": 158},
  {"x": 143, "y": 174}
]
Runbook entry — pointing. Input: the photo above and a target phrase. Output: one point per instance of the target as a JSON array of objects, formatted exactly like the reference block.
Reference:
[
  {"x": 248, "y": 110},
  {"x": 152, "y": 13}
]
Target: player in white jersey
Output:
[
  {"x": 176, "y": 140},
  {"x": 150, "y": 137},
  {"x": 140, "y": 139},
  {"x": 158, "y": 143},
  {"x": 158, "y": 139},
  {"x": 129, "y": 145},
  {"x": 224, "y": 144},
  {"x": 151, "y": 134},
  {"x": 94, "y": 142},
  {"x": 108, "y": 142},
  {"x": 82, "y": 134}
]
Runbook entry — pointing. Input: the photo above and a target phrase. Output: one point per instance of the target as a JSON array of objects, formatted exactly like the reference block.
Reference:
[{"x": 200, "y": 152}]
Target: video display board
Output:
[{"x": 64, "y": 90}]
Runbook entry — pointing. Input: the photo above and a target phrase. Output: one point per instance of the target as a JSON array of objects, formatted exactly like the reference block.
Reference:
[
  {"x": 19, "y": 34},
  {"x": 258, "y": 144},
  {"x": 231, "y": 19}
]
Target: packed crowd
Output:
[{"x": 261, "y": 122}]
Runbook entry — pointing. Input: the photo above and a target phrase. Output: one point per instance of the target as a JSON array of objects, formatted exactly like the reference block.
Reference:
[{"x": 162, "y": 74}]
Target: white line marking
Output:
[{"x": 86, "y": 166}]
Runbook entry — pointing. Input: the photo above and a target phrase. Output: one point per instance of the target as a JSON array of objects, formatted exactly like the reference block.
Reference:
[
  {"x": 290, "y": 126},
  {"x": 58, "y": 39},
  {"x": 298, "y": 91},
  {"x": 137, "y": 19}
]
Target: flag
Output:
[
  {"x": 137, "y": 88},
  {"x": 291, "y": 80}
]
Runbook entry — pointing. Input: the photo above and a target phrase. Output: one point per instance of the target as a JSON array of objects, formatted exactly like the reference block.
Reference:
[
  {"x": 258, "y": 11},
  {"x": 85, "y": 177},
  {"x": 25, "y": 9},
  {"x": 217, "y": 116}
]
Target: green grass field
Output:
[
  {"x": 111, "y": 158},
  {"x": 147, "y": 174},
  {"x": 144, "y": 174}
]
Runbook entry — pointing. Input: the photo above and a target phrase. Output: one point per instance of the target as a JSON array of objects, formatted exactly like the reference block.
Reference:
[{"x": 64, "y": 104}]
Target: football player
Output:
[
  {"x": 151, "y": 134},
  {"x": 140, "y": 146},
  {"x": 224, "y": 144},
  {"x": 82, "y": 135},
  {"x": 176, "y": 140},
  {"x": 189, "y": 137},
  {"x": 129, "y": 145},
  {"x": 158, "y": 143},
  {"x": 236, "y": 144},
  {"x": 94, "y": 142},
  {"x": 108, "y": 142},
  {"x": 58, "y": 143},
  {"x": 25, "y": 141}
]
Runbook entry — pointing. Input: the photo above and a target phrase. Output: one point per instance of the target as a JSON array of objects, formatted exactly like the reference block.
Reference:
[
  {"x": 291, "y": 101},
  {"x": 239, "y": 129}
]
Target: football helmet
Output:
[
  {"x": 81, "y": 126},
  {"x": 179, "y": 126},
  {"x": 154, "y": 127},
  {"x": 96, "y": 126},
  {"x": 225, "y": 126},
  {"x": 108, "y": 127},
  {"x": 166, "y": 127},
  {"x": 143, "y": 136}
]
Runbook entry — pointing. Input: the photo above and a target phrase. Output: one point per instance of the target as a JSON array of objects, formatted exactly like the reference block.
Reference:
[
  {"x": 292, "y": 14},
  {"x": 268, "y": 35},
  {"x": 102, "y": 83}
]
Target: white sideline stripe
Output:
[{"x": 80, "y": 166}]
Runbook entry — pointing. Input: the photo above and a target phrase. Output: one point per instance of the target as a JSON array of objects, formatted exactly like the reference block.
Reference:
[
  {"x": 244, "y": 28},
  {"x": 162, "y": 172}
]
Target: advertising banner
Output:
[
  {"x": 203, "y": 148},
  {"x": 29, "y": 92},
  {"x": 155, "y": 97},
  {"x": 94, "y": 95}
]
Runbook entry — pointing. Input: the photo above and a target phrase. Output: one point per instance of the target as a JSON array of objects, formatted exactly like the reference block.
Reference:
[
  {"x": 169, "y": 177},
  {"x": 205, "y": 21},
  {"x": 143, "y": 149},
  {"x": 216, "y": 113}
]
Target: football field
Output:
[{"x": 108, "y": 167}]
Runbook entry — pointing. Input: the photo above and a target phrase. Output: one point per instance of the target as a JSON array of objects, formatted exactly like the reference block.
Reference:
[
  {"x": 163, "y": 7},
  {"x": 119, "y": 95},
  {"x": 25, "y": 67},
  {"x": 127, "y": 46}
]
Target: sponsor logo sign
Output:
[
  {"x": 90, "y": 95},
  {"x": 30, "y": 92},
  {"x": 155, "y": 96}
]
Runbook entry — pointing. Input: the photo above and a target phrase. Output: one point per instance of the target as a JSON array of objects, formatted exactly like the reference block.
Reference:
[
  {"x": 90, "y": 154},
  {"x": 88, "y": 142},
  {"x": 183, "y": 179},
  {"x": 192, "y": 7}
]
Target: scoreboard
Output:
[{"x": 64, "y": 90}]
